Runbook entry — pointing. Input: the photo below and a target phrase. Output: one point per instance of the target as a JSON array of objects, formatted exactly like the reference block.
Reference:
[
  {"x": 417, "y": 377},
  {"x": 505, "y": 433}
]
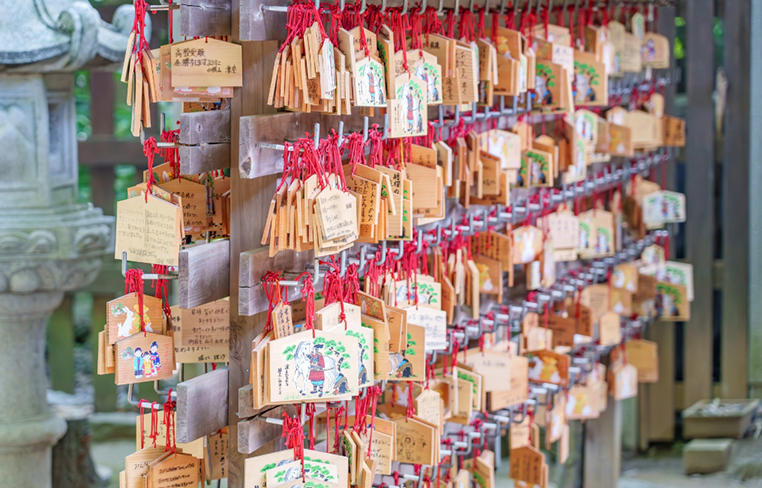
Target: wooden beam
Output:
[
  {"x": 735, "y": 203},
  {"x": 205, "y": 127},
  {"x": 249, "y": 198},
  {"x": 203, "y": 158},
  {"x": 205, "y": 18},
  {"x": 204, "y": 273},
  {"x": 253, "y": 266},
  {"x": 699, "y": 184},
  {"x": 246, "y": 402},
  {"x": 254, "y": 161},
  {"x": 202, "y": 405},
  {"x": 656, "y": 401},
  {"x": 755, "y": 207},
  {"x": 254, "y": 433},
  {"x": 603, "y": 447}
]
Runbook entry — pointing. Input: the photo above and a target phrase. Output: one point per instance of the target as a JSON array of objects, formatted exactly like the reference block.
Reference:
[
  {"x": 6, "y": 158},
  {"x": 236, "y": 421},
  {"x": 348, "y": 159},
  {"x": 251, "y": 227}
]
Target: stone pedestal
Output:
[{"x": 48, "y": 244}]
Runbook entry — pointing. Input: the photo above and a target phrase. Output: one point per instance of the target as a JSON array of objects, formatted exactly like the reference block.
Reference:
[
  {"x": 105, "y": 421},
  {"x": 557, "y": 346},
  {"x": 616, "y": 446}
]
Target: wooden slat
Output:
[
  {"x": 253, "y": 433},
  {"x": 203, "y": 158},
  {"x": 205, "y": 18},
  {"x": 656, "y": 401},
  {"x": 204, "y": 273},
  {"x": 735, "y": 203},
  {"x": 256, "y": 24},
  {"x": 249, "y": 199},
  {"x": 202, "y": 405},
  {"x": 205, "y": 127},
  {"x": 661, "y": 396},
  {"x": 699, "y": 188},
  {"x": 253, "y": 266},
  {"x": 603, "y": 447},
  {"x": 246, "y": 402},
  {"x": 254, "y": 161}
]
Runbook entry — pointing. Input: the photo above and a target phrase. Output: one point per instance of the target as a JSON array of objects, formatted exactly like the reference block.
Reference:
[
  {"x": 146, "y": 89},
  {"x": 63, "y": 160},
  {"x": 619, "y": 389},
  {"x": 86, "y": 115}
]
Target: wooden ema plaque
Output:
[
  {"x": 303, "y": 368},
  {"x": 144, "y": 357},
  {"x": 549, "y": 367},
  {"x": 148, "y": 230},
  {"x": 206, "y": 63},
  {"x": 174, "y": 471},
  {"x": 528, "y": 465},
  {"x": 123, "y": 316}
]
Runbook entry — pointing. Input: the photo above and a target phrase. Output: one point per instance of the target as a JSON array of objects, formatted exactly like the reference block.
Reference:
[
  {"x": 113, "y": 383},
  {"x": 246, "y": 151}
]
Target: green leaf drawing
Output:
[{"x": 410, "y": 351}]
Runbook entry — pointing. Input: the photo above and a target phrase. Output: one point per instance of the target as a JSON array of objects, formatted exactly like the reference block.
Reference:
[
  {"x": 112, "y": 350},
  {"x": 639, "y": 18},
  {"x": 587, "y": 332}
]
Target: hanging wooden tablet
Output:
[
  {"x": 148, "y": 229},
  {"x": 549, "y": 367},
  {"x": 174, "y": 470},
  {"x": 123, "y": 316},
  {"x": 144, "y": 357},
  {"x": 206, "y": 62},
  {"x": 302, "y": 367},
  {"x": 256, "y": 467}
]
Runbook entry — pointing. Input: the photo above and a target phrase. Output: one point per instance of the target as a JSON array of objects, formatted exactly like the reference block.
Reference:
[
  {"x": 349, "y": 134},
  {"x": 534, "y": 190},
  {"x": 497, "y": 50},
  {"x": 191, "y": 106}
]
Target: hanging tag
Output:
[
  {"x": 549, "y": 367},
  {"x": 206, "y": 62},
  {"x": 144, "y": 357},
  {"x": 283, "y": 325},
  {"x": 166, "y": 472},
  {"x": 148, "y": 230},
  {"x": 582, "y": 403}
]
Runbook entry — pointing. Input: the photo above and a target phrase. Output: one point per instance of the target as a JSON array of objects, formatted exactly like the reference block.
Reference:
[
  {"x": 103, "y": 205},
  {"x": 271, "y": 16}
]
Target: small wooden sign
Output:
[
  {"x": 549, "y": 367},
  {"x": 206, "y": 63},
  {"x": 144, "y": 357},
  {"x": 123, "y": 316},
  {"x": 148, "y": 230},
  {"x": 174, "y": 471}
]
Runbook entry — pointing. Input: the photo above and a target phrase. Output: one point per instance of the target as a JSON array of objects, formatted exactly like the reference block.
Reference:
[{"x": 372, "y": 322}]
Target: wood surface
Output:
[
  {"x": 254, "y": 433},
  {"x": 204, "y": 273},
  {"x": 603, "y": 447},
  {"x": 254, "y": 264},
  {"x": 202, "y": 405},
  {"x": 204, "y": 157},
  {"x": 205, "y": 127},
  {"x": 204, "y": 18},
  {"x": 699, "y": 193},
  {"x": 735, "y": 204}
]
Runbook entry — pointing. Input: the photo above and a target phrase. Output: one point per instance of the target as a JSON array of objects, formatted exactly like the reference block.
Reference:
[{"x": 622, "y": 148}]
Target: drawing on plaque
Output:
[
  {"x": 544, "y": 369},
  {"x": 544, "y": 81},
  {"x": 143, "y": 357},
  {"x": 408, "y": 110},
  {"x": 408, "y": 364},
  {"x": 587, "y": 78},
  {"x": 303, "y": 367},
  {"x": 370, "y": 84},
  {"x": 364, "y": 338},
  {"x": 431, "y": 75}
]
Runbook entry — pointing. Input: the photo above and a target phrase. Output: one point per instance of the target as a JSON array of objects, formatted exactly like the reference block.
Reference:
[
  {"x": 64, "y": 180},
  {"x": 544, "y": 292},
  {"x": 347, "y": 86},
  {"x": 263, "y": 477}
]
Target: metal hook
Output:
[
  {"x": 365, "y": 129},
  {"x": 404, "y": 7},
  {"x": 362, "y": 7},
  {"x": 400, "y": 251},
  {"x": 382, "y": 259},
  {"x": 419, "y": 244},
  {"x": 341, "y": 132}
]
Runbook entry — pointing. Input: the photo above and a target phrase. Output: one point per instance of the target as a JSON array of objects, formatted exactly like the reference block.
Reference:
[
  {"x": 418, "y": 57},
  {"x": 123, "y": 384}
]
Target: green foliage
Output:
[
  {"x": 344, "y": 365},
  {"x": 266, "y": 467},
  {"x": 289, "y": 349},
  {"x": 410, "y": 351}
]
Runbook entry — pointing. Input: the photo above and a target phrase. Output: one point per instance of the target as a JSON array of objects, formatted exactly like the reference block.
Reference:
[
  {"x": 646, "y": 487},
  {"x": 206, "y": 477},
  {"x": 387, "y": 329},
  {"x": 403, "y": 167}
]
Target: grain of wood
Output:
[
  {"x": 203, "y": 158},
  {"x": 202, "y": 405},
  {"x": 204, "y": 273}
]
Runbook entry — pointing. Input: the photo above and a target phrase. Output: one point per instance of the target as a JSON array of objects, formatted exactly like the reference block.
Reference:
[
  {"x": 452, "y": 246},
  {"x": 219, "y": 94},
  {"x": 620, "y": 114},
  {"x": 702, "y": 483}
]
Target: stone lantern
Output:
[{"x": 49, "y": 243}]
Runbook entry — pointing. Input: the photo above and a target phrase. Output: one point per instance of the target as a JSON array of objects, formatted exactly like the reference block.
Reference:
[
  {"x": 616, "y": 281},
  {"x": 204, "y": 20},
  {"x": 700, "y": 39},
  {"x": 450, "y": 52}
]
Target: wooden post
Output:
[
  {"x": 735, "y": 203},
  {"x": 699, "y": 188},
  {"x": 258, "y": 58},
  {"x": 202, "y": 405},
  {"x": 656, "y": 401},
  {"x": 603, "y": 447}
]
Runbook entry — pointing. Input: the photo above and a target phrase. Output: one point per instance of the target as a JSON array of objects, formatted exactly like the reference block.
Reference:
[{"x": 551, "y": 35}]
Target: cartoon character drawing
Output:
[
  {"x": 541, "y": 86},
  {"x": 323, "y": 372},
  {"x": 131, "y": 323},
  {"x": 148, "y": 370},
  {"x": 545, "y": 369},
  {"x": 527, "y": 249},
  {"x": 137, "y": 363},
  {"x": 317, "y": 374},
  {"x": 155, "y": 358},
  {"x": 372, "y": 85}
]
